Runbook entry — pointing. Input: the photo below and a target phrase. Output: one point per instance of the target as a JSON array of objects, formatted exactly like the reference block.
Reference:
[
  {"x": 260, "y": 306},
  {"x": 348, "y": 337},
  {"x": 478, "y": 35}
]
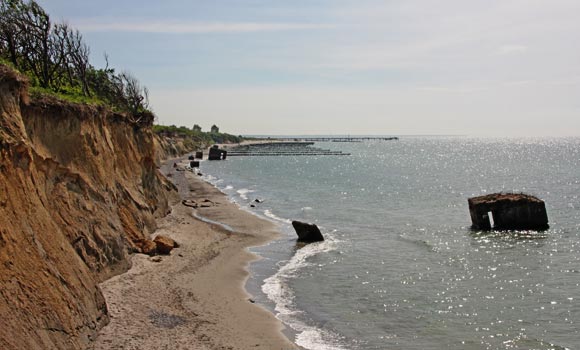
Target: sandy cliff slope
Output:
[{"x": 79, "y": 189}]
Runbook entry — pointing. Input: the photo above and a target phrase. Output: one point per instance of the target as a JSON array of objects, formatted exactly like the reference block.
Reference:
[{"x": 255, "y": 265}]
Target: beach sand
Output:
[{"x": 195, "y": 297}]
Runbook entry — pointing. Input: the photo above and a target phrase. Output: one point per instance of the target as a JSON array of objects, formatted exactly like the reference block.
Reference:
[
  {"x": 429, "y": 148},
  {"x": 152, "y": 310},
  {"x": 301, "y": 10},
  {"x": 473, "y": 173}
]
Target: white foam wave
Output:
[
  {"x": 273, "y": 216},
  {"x": 276, "y": 289},
  {"x": 209, "y": 178},
  {"x": 306, "y": 208},
  {"x": 228, "y": 187},
  {"x": 244, "y": 193}
]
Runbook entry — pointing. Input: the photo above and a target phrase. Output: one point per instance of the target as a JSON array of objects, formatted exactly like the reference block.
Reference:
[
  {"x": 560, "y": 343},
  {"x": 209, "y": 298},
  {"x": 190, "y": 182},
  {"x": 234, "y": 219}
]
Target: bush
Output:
[
  {"x": 56, "y": 60},
  {"x": 205, "y": 138}
]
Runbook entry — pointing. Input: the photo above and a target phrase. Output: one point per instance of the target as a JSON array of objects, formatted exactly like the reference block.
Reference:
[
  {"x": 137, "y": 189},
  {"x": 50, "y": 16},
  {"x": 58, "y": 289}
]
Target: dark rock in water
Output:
[
  {"x": 509, "y": 211},
  {"x": 258, "y": 200},
  {"x": 217, "y": 154},
  {"x": 194, "y": 164},
  {"x": 199, "y": 174},
  {"x": 191, "y": 157},
  {"x": 307, "y": 232},
  {"x": 252, "y": 206},
  {"x": 198, "y": 155}
]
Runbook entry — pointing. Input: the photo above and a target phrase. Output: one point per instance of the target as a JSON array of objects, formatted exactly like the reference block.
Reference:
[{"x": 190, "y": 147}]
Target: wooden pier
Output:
[
  {"x": 284, "y": 148},
  {"x": 296, "y": 146},
  {"x": 341, "y": 139}
]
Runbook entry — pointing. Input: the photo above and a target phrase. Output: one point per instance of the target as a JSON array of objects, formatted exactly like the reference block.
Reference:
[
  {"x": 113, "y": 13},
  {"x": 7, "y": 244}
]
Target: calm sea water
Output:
[{"x": 401, "y": 268}]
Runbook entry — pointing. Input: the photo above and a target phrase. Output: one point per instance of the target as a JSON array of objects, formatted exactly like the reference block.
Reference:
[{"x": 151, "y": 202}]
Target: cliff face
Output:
[
  {"x": 79, "y": 190},
  {"x": 166, "y": 147}
]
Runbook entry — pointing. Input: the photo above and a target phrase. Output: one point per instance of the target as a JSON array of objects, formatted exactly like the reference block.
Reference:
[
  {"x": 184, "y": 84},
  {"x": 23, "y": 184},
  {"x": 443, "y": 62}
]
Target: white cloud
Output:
[
  {"x": 179, "y": 27},
  {"x": 511, "y": 49}
]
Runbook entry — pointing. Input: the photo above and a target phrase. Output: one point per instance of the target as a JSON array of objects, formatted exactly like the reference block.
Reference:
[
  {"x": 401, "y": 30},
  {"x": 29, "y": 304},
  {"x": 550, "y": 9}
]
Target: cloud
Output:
[
  {"x": 179, "y": 27},
  {"x": 511, "y": 49}
]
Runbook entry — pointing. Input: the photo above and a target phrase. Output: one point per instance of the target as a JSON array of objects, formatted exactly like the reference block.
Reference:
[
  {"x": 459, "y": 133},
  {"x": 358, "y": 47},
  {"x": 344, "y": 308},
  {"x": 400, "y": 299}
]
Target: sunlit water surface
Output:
[{"x": 401, "y": 268}]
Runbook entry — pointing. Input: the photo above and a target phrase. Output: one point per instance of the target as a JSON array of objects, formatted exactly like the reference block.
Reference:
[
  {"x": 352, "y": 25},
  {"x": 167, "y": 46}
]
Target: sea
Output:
[{"x": 401, "y": 267}]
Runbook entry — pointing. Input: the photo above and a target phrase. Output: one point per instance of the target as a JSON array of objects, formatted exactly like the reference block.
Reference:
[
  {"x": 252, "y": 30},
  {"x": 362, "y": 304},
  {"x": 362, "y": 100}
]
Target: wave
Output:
[
  {"x": 275, "y": 287},
  {"x": 244, "y": 193},
  {"x": 277, "y": 290},
  {"x": 209, "y": 178},
  {"x": 273, "y": 216},
  {"x": 213, "y": 222}
]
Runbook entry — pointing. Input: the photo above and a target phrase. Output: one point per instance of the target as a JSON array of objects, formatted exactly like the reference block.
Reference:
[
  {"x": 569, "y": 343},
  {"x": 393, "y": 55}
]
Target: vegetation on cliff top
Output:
[
  {"x": 196, "y": 135},
  {"x": 55, "y": 58}
]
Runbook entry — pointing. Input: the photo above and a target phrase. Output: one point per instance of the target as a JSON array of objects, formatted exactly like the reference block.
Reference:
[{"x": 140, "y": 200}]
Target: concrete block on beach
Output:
[
  {"x": 508, "y": 211},
  {"x": 307, "y": 233}
]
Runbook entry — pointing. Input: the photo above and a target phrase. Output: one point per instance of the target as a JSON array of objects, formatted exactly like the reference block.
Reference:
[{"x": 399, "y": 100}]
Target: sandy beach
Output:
[{"x": 195, "y": 297}]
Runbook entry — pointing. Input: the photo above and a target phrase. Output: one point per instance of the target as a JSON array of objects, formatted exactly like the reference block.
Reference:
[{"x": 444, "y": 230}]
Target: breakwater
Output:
[
  {"x": 341, "y": 139},
  {"x": 288, "y": 148}
]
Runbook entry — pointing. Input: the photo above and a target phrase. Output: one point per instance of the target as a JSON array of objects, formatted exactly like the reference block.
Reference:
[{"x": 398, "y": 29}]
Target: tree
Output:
[
  {"x": 9, "y": 30},
  {"x": 196, "y": 128},
  {"x": 76, "y": 55},
  {"x": 215, "y": 129},
  {"x": 55, "y": 57},
  {"x": 39, "y": 53},
  {"x": 136, "y": 96},
  {"x": 29, "y": 41}
]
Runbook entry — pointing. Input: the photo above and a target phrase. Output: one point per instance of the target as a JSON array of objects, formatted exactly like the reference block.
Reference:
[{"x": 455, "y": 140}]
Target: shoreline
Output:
[{"x": 195, "y": 297}]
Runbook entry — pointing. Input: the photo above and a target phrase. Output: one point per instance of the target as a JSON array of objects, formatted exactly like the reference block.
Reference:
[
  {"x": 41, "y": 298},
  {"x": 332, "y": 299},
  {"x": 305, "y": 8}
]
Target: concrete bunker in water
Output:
[
  {"x": 217, "y": 154},
  {"x": 508, "y": 211}
]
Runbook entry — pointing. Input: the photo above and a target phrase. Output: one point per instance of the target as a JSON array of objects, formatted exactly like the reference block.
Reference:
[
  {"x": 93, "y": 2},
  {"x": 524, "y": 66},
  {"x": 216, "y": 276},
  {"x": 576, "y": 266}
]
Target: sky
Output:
[{"x": 367, "y": 67}]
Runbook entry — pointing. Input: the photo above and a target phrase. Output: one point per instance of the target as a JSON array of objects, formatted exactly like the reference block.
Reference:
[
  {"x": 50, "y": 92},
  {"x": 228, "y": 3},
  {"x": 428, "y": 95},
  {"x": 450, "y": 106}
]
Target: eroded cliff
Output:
[{"x": 79, "y": 191}]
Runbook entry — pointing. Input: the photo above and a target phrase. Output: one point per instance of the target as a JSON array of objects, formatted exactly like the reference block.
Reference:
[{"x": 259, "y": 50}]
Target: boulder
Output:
[
  {"x": 146, "y": 246},
  {"x": 307, "y": 233},
  {"x": 164, "y": 244},
  {"x": 509, "y": 211}
]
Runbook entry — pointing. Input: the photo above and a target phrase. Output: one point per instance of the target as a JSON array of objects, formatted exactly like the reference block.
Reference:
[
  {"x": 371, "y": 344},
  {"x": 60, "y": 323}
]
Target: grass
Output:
[
  {"x": 9, "y": 64},
  {"x": 67, "y": 95}
]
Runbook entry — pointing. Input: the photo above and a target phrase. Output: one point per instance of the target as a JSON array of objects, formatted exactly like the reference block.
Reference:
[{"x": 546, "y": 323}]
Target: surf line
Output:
[{"x": 210, "y": 221}]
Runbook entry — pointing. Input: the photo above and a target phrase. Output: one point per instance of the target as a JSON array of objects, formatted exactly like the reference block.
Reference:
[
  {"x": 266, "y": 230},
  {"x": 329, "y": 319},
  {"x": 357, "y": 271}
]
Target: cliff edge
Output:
[{"x": 79, "y": 191}]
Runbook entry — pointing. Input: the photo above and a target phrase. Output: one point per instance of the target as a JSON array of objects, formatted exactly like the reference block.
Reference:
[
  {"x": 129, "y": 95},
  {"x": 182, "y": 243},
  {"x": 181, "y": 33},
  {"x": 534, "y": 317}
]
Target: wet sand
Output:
[{"x": 195, "y": 297}]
